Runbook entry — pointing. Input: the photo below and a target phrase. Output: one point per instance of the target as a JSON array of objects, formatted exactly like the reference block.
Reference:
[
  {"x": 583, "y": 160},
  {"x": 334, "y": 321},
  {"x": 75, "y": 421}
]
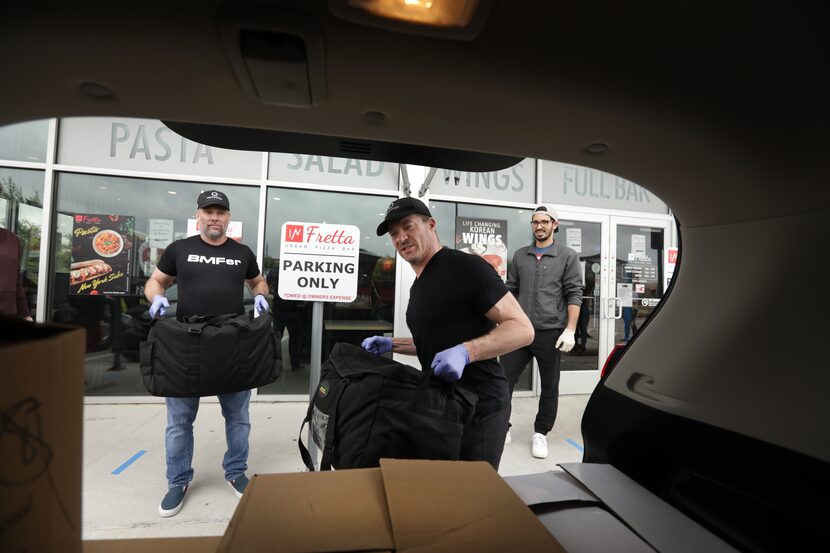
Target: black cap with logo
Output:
[
  {"x": 212, "y": 197},
  {"x": 400, "y": 209}
]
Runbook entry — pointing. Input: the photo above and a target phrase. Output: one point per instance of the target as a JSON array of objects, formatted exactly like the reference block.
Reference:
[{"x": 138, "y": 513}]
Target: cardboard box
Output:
[
  {"x": 155, "y": 545},
  {"x": 402, "y": 506},
  {"x": 41, "y": 399}
]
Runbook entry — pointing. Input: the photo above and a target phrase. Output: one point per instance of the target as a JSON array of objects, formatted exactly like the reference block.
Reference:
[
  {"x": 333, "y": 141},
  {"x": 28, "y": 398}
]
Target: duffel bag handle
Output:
[
  {"x": 454, "y": 389},
  {"x": 328, "y": 450},
  {"x": 244, "y": 322},
  {"x": 303, "y": 449}
]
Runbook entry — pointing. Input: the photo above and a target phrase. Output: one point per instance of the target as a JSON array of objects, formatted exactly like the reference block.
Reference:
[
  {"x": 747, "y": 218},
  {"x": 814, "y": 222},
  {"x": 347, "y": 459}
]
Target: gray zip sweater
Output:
[{"x": 545, "y": 288}]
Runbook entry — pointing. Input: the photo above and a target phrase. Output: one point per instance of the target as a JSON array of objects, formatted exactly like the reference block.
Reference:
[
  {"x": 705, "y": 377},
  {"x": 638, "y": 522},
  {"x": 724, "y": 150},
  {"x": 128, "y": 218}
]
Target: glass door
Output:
[
  {"x": 637, "y": 280},
  {"x": 587, "y": 234},
  {"x": 622, "y": 262}
]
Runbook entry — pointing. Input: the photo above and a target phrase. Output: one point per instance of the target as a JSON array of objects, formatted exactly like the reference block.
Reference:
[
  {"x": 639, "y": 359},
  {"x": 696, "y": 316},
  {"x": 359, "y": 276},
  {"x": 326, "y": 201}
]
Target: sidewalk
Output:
[{"x": 120, "y": 498}]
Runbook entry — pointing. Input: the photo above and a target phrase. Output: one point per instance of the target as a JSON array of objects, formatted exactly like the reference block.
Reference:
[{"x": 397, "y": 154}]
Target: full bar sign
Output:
[{"x": 318, "y": 262}]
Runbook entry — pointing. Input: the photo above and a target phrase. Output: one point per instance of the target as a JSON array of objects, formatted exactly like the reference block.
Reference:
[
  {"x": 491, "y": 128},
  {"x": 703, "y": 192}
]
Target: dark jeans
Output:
[
  {"x": 581, "y": 333},
  {"x": 483, "y": 438},
  {"x": 543, "y": 348}
]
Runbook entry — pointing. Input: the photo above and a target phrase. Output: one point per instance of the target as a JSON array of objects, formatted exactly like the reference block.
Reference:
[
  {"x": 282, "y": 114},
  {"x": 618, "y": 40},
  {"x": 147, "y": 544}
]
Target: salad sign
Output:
[
  {"x": 484, "y": 237},
  {"x": 101, "y": 254}
]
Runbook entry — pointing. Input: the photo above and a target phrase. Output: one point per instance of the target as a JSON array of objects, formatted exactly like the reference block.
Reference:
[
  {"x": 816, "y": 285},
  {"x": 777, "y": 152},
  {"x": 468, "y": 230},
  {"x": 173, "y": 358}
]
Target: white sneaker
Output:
[
  {"x": 508, "y": 438},
  {"x": 539, "y": 447}
]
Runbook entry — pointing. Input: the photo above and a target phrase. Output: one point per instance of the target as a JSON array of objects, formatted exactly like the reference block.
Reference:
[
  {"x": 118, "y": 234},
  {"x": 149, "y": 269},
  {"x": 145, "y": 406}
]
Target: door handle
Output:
[{"x": 613, "y": 305}]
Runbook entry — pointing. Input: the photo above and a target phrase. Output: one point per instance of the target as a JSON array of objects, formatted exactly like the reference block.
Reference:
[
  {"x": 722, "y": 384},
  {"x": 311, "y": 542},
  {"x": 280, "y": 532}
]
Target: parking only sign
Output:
[{"x": 318, "y": 262}]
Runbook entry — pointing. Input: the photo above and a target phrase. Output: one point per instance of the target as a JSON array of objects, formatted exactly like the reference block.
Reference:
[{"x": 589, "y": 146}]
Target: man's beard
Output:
[
  {"x": 543, "y": 238},
  {"x": 214, "y": 234}
]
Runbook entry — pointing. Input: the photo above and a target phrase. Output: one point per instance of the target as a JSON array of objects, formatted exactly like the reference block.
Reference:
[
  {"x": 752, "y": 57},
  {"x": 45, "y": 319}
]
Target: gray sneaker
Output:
[
  {"x": 173, "y": 501},
  {"x": 239, "y": 485}
]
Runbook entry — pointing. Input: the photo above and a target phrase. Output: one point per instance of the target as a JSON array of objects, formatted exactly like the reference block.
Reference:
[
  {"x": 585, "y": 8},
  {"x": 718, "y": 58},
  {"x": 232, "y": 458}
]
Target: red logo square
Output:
[{"x": 293, "y": 233}]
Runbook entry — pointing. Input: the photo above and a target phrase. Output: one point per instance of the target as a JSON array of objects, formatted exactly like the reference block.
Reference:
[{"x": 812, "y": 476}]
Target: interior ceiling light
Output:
[
  {"x": 457, "y": 19},
  {"x": 439, "y": 13}
]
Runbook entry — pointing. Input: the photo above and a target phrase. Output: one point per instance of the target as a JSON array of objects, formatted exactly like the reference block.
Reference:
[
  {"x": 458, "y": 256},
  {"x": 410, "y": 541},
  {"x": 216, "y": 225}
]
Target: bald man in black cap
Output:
[{"x": 210, "y": 271}]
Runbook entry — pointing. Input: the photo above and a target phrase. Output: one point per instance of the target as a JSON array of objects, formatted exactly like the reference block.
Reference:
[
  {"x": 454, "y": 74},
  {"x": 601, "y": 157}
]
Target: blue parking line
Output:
[
  {"x": 129, "y": 462},
  {"x": 576, "y": 445}
]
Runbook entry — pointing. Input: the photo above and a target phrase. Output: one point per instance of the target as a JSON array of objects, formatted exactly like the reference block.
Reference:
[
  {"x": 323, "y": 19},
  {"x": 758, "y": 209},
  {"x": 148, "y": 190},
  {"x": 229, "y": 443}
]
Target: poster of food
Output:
[
  {"x": 101, "y": 254},
  {"x": 484, "y": 237}
]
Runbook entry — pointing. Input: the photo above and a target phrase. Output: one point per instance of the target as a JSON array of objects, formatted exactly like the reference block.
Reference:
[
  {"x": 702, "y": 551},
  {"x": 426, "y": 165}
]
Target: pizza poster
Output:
[
  {"x": 101, "y": 254},
  {"x": 484, "y": 237}
]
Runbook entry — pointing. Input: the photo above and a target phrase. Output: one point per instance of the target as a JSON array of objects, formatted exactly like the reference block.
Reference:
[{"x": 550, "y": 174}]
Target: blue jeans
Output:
[{"x": 178, "y": 439}]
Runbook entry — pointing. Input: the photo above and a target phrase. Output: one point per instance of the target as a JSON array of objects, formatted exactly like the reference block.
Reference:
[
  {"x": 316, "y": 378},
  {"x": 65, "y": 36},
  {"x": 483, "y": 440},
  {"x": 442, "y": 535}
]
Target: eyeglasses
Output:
[{"x": 540, "y": 223}]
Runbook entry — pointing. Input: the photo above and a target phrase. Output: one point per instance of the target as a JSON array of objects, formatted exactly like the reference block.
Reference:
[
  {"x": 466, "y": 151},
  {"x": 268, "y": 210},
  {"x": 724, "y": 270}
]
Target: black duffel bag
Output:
[
  {"x": 209, "y": 355},
  {"x": 367, "y": 407}
]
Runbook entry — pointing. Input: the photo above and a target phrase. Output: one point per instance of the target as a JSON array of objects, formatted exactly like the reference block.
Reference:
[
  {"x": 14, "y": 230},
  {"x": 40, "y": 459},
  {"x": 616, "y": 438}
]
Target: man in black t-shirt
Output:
[
  {"x": 210, "y": 271},
  {"x": 462, "y": 317}
]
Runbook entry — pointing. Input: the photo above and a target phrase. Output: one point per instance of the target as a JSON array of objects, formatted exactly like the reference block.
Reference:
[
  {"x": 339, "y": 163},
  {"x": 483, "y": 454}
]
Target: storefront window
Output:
[
  {"x": 372, "y": 313},
  {"x": 21, "y": 211},
  {"x": 24, "y": 141},
  {"x": 139, "y": 218},
  {"x": 639, "y": 283}
]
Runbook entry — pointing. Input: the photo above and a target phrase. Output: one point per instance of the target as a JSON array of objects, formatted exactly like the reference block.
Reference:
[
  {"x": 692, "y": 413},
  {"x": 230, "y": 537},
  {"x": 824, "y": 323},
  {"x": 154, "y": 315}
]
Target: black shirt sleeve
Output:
[
  {"x": 484, "y": 285},
  {"x": 253, "y": 267},
  {"x": 167, "y": 263}
]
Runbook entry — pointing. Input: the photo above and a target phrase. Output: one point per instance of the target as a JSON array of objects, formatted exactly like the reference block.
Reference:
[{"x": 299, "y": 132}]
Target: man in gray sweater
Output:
[{"x": 546, "y": 279}]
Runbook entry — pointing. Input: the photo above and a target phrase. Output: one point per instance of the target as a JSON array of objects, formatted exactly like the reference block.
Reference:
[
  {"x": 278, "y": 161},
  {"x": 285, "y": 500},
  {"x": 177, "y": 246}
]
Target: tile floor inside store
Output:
[{"x": 123, "y": 467}]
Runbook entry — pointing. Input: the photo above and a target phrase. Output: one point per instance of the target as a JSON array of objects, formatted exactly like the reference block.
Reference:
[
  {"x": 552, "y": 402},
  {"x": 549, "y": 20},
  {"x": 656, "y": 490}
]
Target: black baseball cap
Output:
[
  {"x": 400, "y": 209},
  {"x": 212, "y": 197}
]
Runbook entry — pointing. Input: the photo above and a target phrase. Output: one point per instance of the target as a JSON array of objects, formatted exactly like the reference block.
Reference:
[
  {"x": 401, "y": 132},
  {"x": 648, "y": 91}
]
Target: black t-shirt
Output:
[
  {"x": 446, "y": 307},
  {"x": 210, "y": 278}
]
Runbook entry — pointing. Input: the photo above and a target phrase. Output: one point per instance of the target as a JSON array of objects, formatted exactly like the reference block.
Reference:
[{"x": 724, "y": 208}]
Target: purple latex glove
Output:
[
  {"x": 260, "y": 304},
  {"x": 159, "y": 303},
  {"x": 449, "y": 364},
  {"x": 377, "y": 344}
]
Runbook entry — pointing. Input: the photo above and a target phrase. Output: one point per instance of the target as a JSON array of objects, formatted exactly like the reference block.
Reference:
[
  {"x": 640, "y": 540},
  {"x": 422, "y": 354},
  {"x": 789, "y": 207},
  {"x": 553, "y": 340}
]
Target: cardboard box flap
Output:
[
  {"x": 655, "y": 521},
  {"x": 459, "y": 506},
  {"x": 41, "y": 400},
  {"x": 549, "y": 488},
  {"x": 314, "y": 511}
]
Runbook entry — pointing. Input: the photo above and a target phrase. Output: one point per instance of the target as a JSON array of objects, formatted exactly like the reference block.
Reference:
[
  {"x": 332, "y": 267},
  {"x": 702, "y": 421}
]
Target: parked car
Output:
[{"x": 718, "y": 404}]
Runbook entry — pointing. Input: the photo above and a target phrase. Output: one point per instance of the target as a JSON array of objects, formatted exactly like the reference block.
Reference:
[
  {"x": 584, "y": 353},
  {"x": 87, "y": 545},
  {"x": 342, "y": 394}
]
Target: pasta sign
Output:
[
  {"x": 101, "y": 254},
  {"x": 318, "y": 262}
]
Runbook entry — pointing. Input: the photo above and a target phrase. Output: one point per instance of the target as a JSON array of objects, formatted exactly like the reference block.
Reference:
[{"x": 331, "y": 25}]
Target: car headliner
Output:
[{"x": 719, "y": 111}]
